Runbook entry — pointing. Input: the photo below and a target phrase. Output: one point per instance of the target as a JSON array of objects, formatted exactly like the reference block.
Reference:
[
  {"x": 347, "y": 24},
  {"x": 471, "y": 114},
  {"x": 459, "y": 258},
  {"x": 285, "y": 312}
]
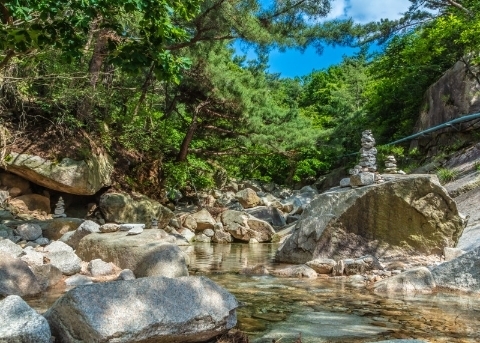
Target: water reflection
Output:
[{"x": 329, "y": 310}]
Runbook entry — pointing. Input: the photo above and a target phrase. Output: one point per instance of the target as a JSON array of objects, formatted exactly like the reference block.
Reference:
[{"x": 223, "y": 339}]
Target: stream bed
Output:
[
  {"x": 325, "y": 309},
  {"x": 329, "y": 309}
]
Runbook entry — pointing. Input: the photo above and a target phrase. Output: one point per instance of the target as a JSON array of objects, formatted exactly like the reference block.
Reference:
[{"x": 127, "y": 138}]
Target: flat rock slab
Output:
[
  {"x": 156, "y": 309},
  {"x": 318, "y": 327},
  {"x": 151, "y": 253},
  {"x": 22, "y": 324}
]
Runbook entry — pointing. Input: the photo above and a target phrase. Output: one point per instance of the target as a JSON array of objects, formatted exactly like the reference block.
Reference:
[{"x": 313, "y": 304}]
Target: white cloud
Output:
[
  {"x": 364, "y": 11},
  {"x": 338, "y": 9}
]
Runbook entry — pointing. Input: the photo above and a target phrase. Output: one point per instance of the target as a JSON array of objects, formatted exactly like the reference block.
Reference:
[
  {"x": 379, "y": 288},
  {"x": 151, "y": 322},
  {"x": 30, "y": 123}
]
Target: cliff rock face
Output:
[
  {"x": 68, "y": 176},
  {"x": 409, "y": 215},
  {"x": 455, "y": 94}
]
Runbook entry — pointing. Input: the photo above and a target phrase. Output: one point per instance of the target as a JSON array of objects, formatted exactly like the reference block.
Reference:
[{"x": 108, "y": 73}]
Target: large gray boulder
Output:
[
  {"x": 68, "y": 176},
  {"x": 408, "y": 215},
  {"x": 122, "y": 208},
  {"x": 460, "y": 274},
  {"x": 244, "y": 227},
  {"x": 16, "y": 278},
  {"x": 156, "y": 309},
  {"x": 22, "y": 324},
  {"x": 151, "y": 253}
]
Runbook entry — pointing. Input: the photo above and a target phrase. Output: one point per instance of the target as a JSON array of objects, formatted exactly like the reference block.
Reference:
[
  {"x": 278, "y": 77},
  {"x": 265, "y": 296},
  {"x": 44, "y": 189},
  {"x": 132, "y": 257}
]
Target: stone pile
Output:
[
  {"x": 363, "y": 174},
  {"x": 59, "y": 211},
  {"x": 391, "y": 165},
  {"x": 368, "y": 152}
]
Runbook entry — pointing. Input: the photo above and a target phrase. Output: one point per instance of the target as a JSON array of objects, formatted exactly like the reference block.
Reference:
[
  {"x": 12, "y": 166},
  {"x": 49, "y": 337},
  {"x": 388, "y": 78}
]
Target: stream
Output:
[
  {"x": 329, "y": 309},
  {"x": 325, "y": 309}
]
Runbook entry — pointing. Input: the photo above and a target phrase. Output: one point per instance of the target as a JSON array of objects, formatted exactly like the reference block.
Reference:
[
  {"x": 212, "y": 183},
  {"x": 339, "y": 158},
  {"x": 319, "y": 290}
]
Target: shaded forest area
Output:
[{"x": 158, "y": 85}]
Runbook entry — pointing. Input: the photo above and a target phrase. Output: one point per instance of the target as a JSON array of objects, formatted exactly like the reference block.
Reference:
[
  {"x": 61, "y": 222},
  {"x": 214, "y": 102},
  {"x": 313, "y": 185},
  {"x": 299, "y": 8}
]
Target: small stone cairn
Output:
[
  {"x": 391, "y": 165},
  {"x": 59, "y": 209}
]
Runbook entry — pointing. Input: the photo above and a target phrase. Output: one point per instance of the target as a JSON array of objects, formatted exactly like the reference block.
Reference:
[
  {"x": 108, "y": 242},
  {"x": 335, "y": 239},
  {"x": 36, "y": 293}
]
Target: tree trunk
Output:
[{"x": 182, "y": 155}]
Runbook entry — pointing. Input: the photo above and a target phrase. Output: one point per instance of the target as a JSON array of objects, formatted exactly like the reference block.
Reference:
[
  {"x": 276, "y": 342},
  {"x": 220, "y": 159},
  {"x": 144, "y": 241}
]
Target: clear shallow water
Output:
[
  {"x": 329, "y": 309},
  {"x": 324, "y": 309}
]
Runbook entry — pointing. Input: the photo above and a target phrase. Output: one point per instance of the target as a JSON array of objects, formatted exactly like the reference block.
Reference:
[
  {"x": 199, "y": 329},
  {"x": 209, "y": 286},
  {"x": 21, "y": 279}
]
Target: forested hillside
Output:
[{"x": 158, "y": 85}]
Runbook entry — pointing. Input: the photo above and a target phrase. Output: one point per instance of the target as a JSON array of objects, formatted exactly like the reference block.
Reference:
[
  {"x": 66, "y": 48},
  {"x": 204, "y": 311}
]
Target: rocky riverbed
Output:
[{"x": 353, "y": 264}]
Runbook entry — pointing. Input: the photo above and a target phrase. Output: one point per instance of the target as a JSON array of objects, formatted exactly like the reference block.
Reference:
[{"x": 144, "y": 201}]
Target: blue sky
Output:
[{"x": 293, "y": 63}]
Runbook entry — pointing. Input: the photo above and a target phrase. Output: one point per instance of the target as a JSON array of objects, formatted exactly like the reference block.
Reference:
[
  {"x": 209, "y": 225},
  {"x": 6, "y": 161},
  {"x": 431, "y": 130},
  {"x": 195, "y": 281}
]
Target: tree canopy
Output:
[{"x": 157, "y": 83}]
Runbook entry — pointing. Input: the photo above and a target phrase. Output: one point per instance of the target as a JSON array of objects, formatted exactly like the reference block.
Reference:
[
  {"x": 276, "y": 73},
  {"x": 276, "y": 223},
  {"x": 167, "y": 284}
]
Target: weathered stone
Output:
[
  {"x": 6, "y": 232},
  {"x": 42, "y": 241},
  {"x": 86, "y": 228},
  {"x": 78, "y": 280},
  {"x": 68, "y": 176},
  {"x": 151, "y": 253},
  {"x": 128, "y": 227},
  {"x": 58, "y": 246},
  {"x": 361, "y": 265},
  {"x": 47, "y": 275},
  {"x": 21, "y": 323},
  {"x": 122, "y": 208},
  {"x": 14, "y": 192},
  {"x": 222, "y": 237},
  {"x": 269, "y": 214},
  {"x": 135, "y": 231},
  {"x": 16, "y": 278},
  {"x": 188, "y": 234},
  {"x": 56, "y": 228},
  {"x": 243, "y": 227},
  {"x": 189, "y": 222},
  {"x": 247, "y": 198},
  {"x": 204, "y": 220},
  {"x": 68, "y": 262},
  {"x": 10, "y": 180},
  {"x": 32, "y": 257},
  {"x": 109, "y": 227},
  {"x": 339, "y": 268},
  {"x": 208, "y": 232},
  {"x": 411, "y": 215},
  {"x": 418, "y": 280},
  {"x": 345, "y": 182},
  {"x": 7, "y": 247},
  {"x": 28, "y": 231},
  {"x": 201, "y": 238},
  {"x": 201, "y": 311},
  {"x": 301, "y": 271},
  {"x": 461, "y": 273},
  {"x": 98, "y": 267},
  {"x": 452, "y": 253},
  {"x": 126, "y": 274},
  {"x": 29, "y": 203},
  {"x": 362, "y": 179},
  {"x": 322, "y": 265}
]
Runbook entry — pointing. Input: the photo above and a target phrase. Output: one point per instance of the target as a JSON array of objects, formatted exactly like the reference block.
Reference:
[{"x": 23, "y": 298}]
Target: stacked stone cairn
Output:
[
  {"x": 391, "y": 165},
  {"x": 365, "y": 173},
  {"x": 59, "y": 209}
]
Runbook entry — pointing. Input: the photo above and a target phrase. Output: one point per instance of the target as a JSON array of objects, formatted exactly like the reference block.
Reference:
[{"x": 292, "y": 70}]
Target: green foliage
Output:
[
  {"x": 446, "y": 175},
  {"x": 138, "y": 31}
]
